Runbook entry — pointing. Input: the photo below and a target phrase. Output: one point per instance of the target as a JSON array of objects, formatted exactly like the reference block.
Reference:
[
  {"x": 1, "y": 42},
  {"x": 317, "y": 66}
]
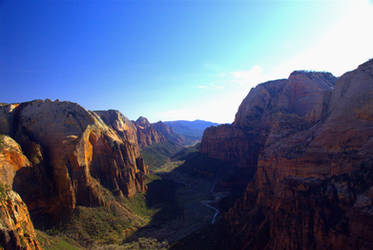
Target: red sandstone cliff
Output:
[
  {"x": 16, "y": 228},
  {"x": 121, "y": 124},
  {"x": 298, "y": 101},
  {"x": 71, "y": 155},
  {"x": 313, "y": 154},
  {"x": 153, "y": 133}
]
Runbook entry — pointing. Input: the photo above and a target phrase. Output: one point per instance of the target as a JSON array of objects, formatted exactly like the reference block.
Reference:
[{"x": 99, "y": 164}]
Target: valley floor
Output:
[
  {"x": 175, "y": 206},
  {"x": 189, "y": 201}
]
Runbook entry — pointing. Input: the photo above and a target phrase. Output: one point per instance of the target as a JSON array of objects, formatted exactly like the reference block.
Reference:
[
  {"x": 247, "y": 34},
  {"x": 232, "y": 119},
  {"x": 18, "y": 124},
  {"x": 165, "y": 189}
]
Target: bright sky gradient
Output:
[{"x": 175, "y": 59}]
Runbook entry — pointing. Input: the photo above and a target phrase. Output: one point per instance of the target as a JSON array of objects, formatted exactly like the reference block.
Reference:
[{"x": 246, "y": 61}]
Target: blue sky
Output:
[{"x": 169, "y": 60}]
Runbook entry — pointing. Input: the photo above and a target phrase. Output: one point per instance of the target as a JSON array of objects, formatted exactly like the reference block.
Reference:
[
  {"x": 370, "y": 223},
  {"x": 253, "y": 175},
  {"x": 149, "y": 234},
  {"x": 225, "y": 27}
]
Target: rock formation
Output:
[
  {"x": 16, "y": 228},
  {"x": 12, "y": 160},
  {"x": 121, "y": 124},
  {"x": 126, "y": 130},
  {"x": 167, "y": 132},
  {"x": 153, "y": 133},
  {"x": 302, "y": 95},
  {"x": 70, "y": 157},
  {"x": 312, "y": 146}
]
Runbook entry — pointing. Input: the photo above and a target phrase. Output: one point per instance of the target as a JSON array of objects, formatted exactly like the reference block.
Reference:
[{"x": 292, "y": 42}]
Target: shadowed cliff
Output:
[{"x": 310, "y": 140}]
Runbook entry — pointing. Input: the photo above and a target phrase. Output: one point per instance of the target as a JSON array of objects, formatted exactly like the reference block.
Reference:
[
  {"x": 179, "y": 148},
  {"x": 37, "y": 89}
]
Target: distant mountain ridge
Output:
[{"x": 191, "y": 131}]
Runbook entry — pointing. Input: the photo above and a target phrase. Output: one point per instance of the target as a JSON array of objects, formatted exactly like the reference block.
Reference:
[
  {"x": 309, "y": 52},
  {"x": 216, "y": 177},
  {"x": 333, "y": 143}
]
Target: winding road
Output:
[
  {"x": 217, "y": 197},
  {"x": 206, "y": 203}
]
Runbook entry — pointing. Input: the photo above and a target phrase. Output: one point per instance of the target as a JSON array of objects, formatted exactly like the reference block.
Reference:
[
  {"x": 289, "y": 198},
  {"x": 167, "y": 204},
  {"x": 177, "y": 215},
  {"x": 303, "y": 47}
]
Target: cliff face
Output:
[
  {"x": 127, "y": 131},
  {"x": 313, "y": 185},
  {"x": 167, "y": 132},
  {"x": 12, "y": 159},
  {"x": 121, "y": 124},
  {"x": 16, "y": 228},
  {"x": 153, "y": 133},
  {"x": 72, "y": 154},
  {"x": 292, "y": 104}
]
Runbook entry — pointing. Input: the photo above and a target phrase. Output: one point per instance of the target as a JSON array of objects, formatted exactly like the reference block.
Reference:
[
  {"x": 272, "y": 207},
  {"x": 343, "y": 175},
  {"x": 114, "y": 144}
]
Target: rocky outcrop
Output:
[
  {"x": 121, "y": 124},
  {"x": 16, "y": 228},
  {"x": 294, "y": 103},
  {"x": 12, "y": 160},
  {"x": 127, "y": 131},
  {"x": 154, "y": 133},
  {"x": 72, "y": 156},
  {"x": 167, "y": 132},
  {"x": 313, "y": 185},
  {"x": 146, "y": 133}
]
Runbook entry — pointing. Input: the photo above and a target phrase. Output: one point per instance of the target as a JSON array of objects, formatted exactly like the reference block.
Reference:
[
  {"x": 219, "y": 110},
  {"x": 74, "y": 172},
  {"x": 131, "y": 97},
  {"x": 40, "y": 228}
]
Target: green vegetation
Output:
[
  {"x": 56, "y": 242},
  {"x": 186, "y": 153},
  {"x": 157, "y": 203},
  {"x": 158, "y": 154},
  {"x": 140, "y": 244},
  {"x": 151, "y": 177},
  {"x": 138, "y": 205},
  {"x": 161, "y": 197},
  {"x": 142, "y": 221},
  {"x": 120, "y": 218},
  {"x": 146, "y": 243},
  {"x": 199, "y": 165},
  {"x": 168, "y": 167},
  {"x": 98, "y": 224},
  {"x": 108, "y": 224}
]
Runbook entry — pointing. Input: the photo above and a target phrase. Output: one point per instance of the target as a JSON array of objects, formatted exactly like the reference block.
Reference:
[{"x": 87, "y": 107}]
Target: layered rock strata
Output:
[
  {"x": 313, "y": 185},
  {"x": 16, "y": 228},
  {"x": 71, "y": 157},
  {"x": 298, "y": 101},
  {"x": 154, "y": 133}
]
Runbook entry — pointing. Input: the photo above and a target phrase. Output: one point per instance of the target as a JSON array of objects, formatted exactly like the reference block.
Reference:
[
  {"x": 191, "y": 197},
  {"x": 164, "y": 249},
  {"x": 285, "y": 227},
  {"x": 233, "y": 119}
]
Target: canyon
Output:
[
  {"x": 60, "y": 162},
  {"x": 293, "y": 171},
  {"x": 309, "y": 139},
  {"x": 63, "y": 156}
]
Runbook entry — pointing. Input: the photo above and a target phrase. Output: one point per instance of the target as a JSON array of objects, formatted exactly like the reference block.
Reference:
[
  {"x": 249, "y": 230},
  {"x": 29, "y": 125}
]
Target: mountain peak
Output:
[
  {"x": 142, "y": 121},
  {"x": 368, "y": 64},
  {"x": 313, "y": 75}
]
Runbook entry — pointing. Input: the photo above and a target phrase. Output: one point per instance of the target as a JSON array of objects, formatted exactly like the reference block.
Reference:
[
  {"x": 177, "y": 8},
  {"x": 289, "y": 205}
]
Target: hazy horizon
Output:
[{"x": 172, "y": 60}]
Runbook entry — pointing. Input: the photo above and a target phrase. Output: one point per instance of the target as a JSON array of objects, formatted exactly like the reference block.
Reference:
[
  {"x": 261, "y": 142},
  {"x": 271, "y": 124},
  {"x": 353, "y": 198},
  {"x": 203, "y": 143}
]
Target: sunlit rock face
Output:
[
  {"x": 12, "y": 159},
  {"x": 71, "y": 155},
  {"x": 270, "y": 111},
  {"x": 154, "y": 133},
  {"x": 146, "y": 134},
  {"x": 121, "y": 124},
  {"x": 314, "y": 180},
  {"x": 16, "y": 228}
]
